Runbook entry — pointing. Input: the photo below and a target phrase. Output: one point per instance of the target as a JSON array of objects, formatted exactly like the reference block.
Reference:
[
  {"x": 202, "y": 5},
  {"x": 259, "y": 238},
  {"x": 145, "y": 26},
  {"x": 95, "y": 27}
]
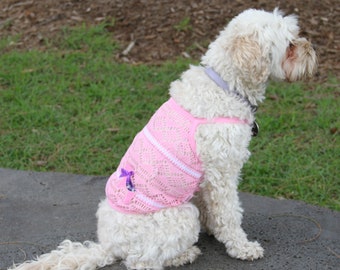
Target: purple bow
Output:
[{"x": 128, "y": 175}]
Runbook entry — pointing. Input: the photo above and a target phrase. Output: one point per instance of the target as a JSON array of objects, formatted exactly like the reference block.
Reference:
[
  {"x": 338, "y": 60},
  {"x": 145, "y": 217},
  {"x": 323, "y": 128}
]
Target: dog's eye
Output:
[{"x": 291, "y": 45}]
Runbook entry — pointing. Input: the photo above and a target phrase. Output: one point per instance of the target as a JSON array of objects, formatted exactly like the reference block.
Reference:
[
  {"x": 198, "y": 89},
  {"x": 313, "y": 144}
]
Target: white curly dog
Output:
[{"x": 182, "y": 170}]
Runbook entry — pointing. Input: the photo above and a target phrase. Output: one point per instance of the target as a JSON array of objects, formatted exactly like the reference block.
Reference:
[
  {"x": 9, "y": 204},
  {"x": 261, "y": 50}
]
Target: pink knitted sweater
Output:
[{"x": 161, "y": 167}]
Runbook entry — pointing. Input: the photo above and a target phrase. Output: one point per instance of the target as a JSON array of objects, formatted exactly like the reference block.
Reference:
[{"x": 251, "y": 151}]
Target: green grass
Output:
[
  {"x": 183, "y": 25},
  {"x": 297, "y": 155},
  {"x": 73, "y": 108}
]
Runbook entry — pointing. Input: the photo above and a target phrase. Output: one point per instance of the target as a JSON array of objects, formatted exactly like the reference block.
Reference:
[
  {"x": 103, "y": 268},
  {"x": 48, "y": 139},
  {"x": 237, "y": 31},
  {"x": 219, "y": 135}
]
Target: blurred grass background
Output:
[{"x": 73, "y": 108}]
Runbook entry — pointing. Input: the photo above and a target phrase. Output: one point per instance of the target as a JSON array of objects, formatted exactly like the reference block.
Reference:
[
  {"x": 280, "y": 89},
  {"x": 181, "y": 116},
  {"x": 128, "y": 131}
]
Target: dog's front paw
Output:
[{"x": 246, "y": 251}]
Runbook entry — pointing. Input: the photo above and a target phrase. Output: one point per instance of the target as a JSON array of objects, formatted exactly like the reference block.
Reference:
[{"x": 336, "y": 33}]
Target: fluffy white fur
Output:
[{"x": 254, "y": 47}]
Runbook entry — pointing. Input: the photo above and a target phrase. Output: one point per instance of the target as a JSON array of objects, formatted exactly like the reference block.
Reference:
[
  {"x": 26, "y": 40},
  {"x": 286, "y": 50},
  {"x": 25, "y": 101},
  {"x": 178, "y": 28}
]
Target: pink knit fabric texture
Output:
[{"x": 161, "y": 167}]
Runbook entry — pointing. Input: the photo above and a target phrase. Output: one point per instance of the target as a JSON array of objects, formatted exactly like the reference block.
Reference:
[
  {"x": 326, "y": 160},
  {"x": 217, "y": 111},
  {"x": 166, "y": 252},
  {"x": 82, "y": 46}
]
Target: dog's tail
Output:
[{"x": 70, "y": 256}]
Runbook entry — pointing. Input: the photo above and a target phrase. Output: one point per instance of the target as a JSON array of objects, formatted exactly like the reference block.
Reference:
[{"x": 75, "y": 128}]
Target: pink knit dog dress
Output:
[{"x": 161, "y": 167}]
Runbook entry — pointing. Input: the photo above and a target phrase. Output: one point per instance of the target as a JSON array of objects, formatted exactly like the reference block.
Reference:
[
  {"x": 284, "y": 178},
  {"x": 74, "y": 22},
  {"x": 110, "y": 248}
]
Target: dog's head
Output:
[{"x": 258, "y": 45}]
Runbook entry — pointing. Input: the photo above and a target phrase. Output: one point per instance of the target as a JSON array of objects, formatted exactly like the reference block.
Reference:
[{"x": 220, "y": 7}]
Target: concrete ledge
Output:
[{"x": 39, "y": 210}]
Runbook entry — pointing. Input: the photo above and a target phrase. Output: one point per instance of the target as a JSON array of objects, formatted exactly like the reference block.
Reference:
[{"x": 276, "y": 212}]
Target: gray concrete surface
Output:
[{"x": 39, "y": 210}]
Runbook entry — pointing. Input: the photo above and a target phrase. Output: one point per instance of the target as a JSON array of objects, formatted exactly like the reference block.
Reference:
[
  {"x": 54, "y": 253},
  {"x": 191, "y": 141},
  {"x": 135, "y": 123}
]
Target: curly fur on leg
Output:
[
  {"x": 148, "y": 241},
  {"x": 219, "y": 196},
  {"x": 188, "y": 256}
]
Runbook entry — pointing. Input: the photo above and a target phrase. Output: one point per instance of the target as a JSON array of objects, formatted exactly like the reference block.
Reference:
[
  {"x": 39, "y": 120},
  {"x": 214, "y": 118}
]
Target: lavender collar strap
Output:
[
  {"x": 212, "y": 74},
  {"x": 216, "y": 78}
]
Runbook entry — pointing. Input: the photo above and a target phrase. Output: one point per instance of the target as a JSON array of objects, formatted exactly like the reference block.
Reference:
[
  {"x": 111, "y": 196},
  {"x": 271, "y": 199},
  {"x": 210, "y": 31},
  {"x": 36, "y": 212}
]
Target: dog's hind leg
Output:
[
  {"x": 150, "y": 241},
  {"x": 187, "y": 256}
]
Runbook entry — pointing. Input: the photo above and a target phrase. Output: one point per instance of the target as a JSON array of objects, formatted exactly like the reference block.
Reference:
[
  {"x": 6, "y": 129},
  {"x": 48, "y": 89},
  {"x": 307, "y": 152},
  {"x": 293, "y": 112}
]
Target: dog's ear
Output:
[{"x": 250, "y": 61}]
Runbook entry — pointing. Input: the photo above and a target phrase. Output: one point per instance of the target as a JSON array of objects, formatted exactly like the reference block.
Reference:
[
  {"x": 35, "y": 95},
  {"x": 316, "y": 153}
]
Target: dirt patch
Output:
[{"x": 159, "y": 30}]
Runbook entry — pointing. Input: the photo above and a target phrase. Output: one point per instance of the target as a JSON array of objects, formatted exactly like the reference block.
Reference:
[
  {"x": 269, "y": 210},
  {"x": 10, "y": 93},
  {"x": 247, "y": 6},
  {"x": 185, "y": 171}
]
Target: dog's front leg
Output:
[{"x": 223, "y": 150}]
